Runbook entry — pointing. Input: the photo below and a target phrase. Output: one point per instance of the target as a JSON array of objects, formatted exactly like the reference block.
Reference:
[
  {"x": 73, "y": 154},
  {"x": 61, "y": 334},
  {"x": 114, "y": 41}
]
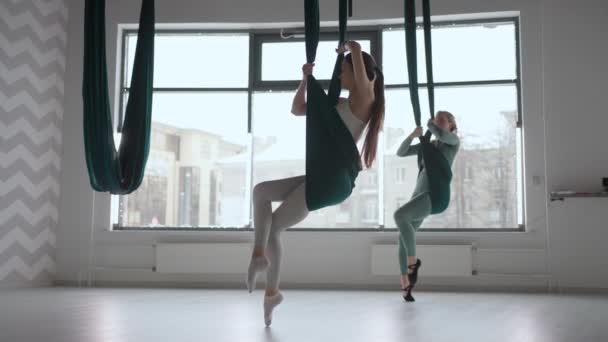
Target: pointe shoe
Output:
[
  {"x": 413, "y": 278},
  {"x": 271, "y": 302}
]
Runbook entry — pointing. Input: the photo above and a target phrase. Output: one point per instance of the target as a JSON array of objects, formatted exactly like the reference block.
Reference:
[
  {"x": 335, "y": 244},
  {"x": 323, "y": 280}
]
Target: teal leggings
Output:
[{"x": 409, "y": 218}]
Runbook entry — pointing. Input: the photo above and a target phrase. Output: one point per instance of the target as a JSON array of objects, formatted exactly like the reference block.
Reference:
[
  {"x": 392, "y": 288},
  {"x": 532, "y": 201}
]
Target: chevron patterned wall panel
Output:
[{"x": 32, "y": 65}]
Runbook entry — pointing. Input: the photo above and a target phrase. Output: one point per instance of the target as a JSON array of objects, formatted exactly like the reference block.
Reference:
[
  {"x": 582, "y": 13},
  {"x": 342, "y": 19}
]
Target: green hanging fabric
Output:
[
  {"x": 122, "y": 171},
  {"x": 332, "y": 157},
  {"x": 438, "y": 169}
]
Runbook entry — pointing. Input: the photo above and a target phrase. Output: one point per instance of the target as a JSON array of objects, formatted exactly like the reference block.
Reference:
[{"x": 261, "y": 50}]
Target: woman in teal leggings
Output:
[{"x": 410, "y": 216}]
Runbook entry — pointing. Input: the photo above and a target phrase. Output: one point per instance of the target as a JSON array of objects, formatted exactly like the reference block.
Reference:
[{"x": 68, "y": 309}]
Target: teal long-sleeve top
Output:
[{"x": 447, "y": 142}]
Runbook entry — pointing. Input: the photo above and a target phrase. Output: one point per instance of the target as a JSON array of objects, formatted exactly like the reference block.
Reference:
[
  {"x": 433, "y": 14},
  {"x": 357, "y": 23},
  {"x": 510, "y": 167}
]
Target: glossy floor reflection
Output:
[{"x": 129, "y": 315}]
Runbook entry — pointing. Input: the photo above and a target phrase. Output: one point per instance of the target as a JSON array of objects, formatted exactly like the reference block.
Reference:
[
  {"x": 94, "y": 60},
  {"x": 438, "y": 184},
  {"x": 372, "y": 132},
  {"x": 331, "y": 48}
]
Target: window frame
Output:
[
  {"x": 255, "y": 84},
  {"x": 360, "y": 33}
]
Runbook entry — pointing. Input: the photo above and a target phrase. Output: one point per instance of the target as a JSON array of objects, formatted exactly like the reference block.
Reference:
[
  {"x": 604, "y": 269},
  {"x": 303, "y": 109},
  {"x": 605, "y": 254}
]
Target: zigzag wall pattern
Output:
[{"x": 32, "y": 65}]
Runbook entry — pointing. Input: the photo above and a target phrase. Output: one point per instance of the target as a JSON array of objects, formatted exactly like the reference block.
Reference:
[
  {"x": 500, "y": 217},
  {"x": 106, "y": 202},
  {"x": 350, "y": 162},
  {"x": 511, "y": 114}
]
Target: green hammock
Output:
[
  {"x": 122, "y": 171},
  {"x": 332, "y": 157},
  {"x": 438, "y": 169}
]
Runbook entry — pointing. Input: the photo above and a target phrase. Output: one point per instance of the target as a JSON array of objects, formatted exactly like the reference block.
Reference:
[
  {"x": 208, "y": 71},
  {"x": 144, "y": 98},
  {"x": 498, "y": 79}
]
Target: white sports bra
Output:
[{"x": 355, "y": 125}]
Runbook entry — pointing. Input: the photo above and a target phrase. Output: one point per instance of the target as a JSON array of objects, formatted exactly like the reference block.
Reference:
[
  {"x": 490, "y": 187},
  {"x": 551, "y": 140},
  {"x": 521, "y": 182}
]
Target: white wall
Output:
[
  {"x": 344, "y": 257},
  {"x": 575, "y": 74}
]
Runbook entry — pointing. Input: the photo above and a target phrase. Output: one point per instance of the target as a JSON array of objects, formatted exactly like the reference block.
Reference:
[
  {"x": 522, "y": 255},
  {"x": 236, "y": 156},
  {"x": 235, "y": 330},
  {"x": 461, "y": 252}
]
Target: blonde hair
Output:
[{"x": 451, "y": 119}]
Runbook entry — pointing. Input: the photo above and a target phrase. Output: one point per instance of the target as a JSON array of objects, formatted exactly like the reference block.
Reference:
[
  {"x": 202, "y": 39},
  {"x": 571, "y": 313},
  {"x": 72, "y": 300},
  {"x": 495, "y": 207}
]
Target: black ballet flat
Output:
[{"x": 413, "y": 278}]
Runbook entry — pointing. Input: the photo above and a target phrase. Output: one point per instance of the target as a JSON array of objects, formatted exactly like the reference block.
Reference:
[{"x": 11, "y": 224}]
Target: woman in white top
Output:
[{"x": 363, "y": 108}]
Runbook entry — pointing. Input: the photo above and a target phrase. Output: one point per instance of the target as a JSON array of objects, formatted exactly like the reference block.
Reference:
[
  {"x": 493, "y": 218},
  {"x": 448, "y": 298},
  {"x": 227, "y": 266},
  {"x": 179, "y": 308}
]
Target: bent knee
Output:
[
  {"x": 259, "y": 190},
  {"x": 401, "y": 215}
]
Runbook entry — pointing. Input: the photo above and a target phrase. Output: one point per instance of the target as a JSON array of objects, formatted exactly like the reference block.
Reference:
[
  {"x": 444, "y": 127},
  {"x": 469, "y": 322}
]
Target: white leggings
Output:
[{"x": 268, "y": 225}]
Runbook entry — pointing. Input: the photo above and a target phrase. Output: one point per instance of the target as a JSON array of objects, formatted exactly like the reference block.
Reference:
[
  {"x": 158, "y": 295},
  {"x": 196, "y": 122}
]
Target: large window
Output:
[
  {"x": 221, "y": 124},
  {"x": 477, "y": 79},
  {"x": 198, "y": 176}
]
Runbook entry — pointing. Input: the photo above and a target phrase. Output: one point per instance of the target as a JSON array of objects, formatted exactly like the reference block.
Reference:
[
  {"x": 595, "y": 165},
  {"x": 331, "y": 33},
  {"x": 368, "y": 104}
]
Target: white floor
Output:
[{"x": 72, "y": 314}]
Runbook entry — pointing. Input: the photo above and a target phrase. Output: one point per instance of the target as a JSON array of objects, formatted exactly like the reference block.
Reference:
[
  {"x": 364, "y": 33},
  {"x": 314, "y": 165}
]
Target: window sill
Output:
[{"x": 330, "y": 230}]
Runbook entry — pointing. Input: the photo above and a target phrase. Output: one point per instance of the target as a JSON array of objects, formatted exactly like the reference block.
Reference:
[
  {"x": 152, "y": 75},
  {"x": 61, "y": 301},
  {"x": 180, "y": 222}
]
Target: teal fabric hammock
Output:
[
  {"x": 437, "y": 167},
  {"x": 122, "y": 171},
  {"x": 332, "y": 157}
]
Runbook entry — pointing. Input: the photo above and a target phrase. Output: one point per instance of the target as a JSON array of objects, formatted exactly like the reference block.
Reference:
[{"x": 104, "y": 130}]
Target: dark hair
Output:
[{"x": 376, "y": 121}]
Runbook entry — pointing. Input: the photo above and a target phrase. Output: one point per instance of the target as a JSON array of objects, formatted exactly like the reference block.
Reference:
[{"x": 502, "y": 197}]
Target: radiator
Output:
[
  {"x": 218, "y": 258},
  {"x": 437, "y": 260}
]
